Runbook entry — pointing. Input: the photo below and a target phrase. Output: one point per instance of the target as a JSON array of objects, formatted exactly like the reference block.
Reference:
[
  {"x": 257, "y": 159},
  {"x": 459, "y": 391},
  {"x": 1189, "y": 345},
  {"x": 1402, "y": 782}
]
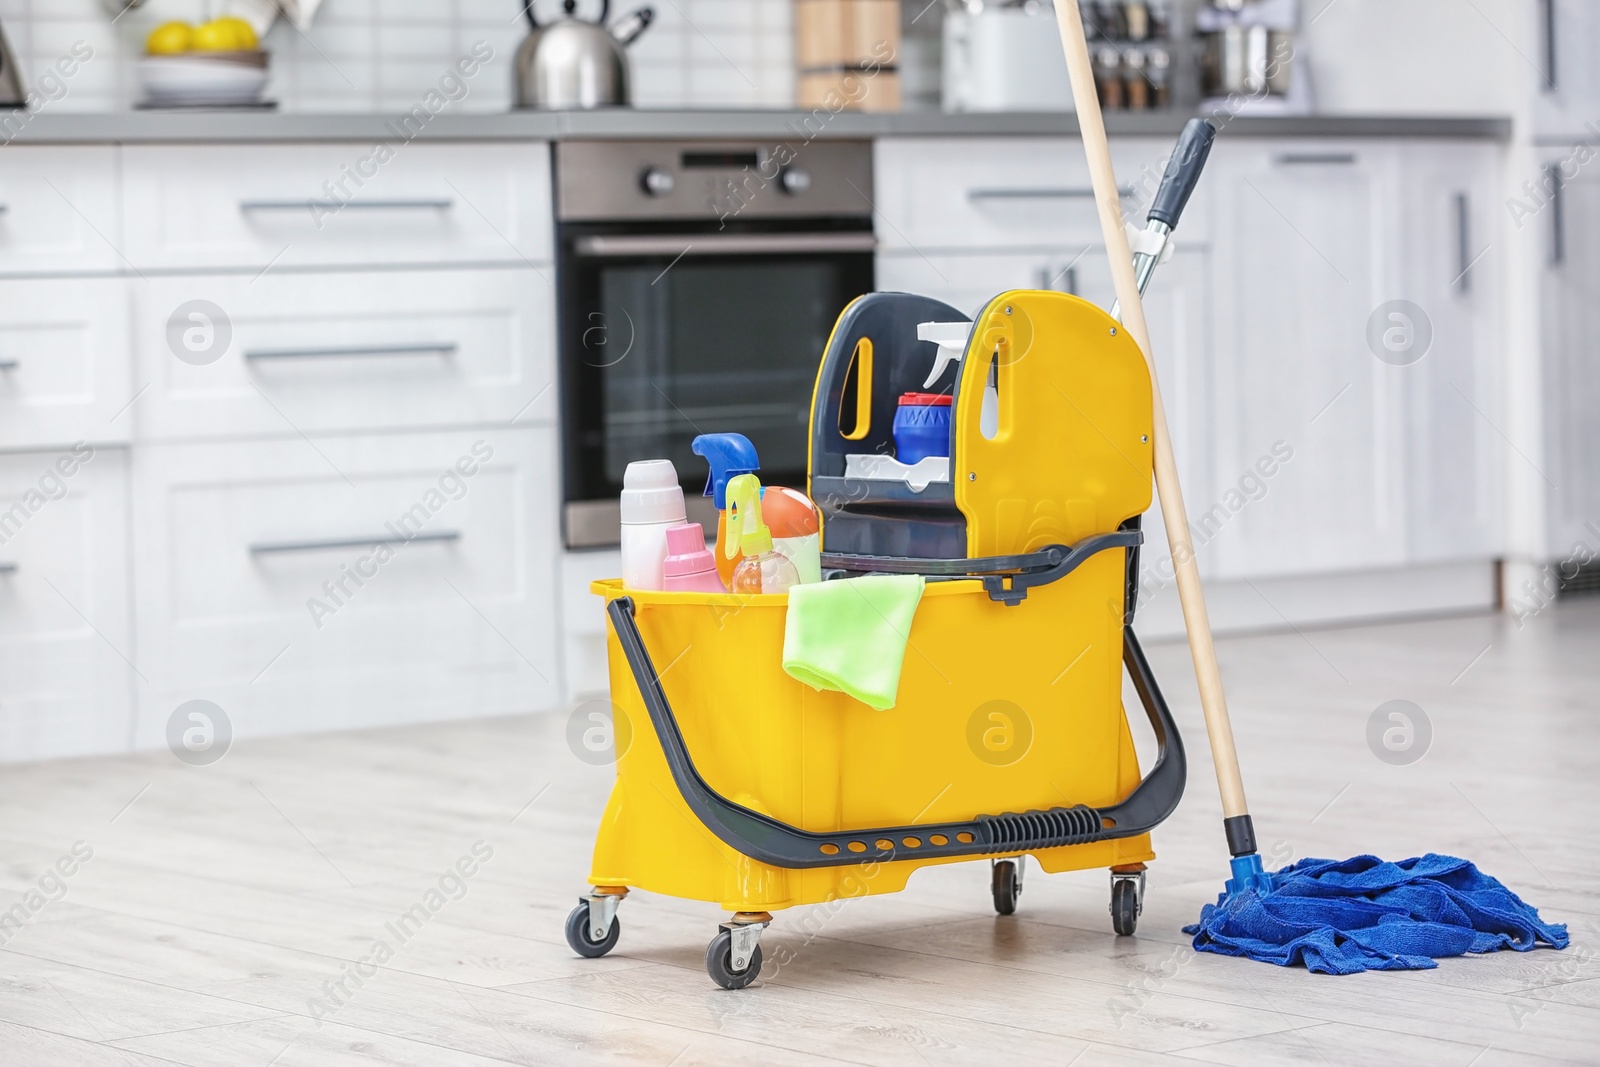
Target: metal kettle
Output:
[{"x": 573, "y": 63}]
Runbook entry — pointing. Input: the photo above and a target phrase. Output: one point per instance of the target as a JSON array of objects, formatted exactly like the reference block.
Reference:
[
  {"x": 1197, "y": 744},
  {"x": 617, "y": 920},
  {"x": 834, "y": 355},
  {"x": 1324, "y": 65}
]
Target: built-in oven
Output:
[{"x": 697, "y": 285}]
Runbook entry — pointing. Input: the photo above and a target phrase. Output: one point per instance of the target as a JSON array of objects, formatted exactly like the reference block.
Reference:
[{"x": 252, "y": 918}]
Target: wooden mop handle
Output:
[{"x": 1092, "y": 126}]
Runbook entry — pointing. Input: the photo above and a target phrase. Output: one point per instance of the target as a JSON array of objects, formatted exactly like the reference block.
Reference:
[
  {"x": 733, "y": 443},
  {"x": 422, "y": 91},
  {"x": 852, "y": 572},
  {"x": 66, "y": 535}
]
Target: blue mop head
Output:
[{"x": 1343, "y": 917}]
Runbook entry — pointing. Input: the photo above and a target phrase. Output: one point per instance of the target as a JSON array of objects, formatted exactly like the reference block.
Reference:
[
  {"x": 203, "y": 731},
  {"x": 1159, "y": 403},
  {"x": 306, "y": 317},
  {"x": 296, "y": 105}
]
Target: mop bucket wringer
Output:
[{"x": 740, "y": 786}]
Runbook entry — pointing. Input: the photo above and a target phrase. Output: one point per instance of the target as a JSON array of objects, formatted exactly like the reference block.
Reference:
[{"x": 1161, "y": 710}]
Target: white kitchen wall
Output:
[{"x": 365, "y": 55}]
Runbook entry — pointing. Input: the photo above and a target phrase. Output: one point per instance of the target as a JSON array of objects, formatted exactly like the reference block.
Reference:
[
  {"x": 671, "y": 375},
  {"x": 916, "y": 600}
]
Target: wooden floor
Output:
[{"x": 220, "y": 902}]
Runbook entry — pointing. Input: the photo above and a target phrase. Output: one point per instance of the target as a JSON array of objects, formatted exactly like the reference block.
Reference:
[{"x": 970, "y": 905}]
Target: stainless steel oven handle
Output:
[{"x": 724, "y": 244}]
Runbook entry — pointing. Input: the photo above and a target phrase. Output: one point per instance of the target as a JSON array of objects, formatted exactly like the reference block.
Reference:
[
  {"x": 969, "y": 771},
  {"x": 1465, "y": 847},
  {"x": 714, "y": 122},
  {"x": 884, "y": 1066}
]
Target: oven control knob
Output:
[
  {"x": 796, "y": 181},
  {"x": 658, "y": 182}
]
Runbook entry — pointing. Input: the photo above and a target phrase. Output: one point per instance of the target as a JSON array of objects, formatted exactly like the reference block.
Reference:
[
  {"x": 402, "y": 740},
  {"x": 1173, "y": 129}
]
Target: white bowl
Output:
[{"x": 194, "y": 79}]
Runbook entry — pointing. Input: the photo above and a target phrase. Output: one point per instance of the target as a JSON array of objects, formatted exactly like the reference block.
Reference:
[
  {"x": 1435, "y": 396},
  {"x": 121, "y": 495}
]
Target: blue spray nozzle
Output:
[{"x": 730, "y": 455}]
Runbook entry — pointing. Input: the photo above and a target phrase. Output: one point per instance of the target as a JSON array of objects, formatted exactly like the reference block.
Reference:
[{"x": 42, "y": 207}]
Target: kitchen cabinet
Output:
[
  {"x": 64, "y": 367},
  {"x": 1566, "y": 82},
  {"x": 342, "y": 364},
  {"x": 68, "y": 660},
  {"x": 255, "y": 206},
  {"x": 1007, "y": 194},
  {"x": 261, "y": 589},
  {"x": 1357, "y": 323},
  {"x": 368, "y": 355},
  {"x": 1571, "y": 321},
  {"x": 58, "y": 210},
  {"x": 357, "y": 350},
  {"x": 1453, "y": 472},
  {"x": 1299, "y": 273}
]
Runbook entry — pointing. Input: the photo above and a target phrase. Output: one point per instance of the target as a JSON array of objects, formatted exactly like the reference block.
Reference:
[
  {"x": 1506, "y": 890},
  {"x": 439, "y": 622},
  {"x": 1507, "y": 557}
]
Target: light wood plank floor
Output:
[{"x": 219, "y": 902}]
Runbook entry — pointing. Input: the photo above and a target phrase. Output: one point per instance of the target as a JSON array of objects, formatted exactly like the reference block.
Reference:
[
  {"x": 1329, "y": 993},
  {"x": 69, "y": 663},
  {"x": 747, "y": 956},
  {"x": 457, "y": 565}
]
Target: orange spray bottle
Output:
[{"x": 729, "y": 455}]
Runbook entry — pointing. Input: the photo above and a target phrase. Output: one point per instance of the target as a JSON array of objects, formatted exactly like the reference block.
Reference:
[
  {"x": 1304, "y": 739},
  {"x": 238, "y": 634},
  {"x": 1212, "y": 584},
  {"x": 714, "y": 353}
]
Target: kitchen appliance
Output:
[
  {"x": 12, "y": 94},
  {"x": 1003, "y": 58},
  {"x": 698, "y": 284},
  {"x": 573, "y": 63},
  {"x": 1250, "y": 55},
  {"x": 1004, "y": 55}
]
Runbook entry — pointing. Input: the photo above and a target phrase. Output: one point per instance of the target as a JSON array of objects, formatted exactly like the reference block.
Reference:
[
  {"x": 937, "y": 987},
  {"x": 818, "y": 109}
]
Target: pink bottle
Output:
[{"x": 689, "y": 566}]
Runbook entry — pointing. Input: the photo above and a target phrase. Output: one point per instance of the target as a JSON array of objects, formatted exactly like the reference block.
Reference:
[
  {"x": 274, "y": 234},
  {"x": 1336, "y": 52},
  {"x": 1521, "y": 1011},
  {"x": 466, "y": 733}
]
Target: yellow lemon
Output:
[
  {"x": 244, "y": 36},
  {"x": 170, "y": 39},
  {"x": 225, "y": 35}
]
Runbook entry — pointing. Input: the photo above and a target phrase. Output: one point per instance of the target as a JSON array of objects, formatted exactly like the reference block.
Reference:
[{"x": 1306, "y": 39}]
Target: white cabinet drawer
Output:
[
  {"x": 66, "y": 684},
  {"x": 64, "y": 362},
  {"x": 247, "y": 206},
  {"x": 323, "y": 352},
  {"x": 58, "y": 209},
  {"x": 263, "y": 589},
  {"x": 1009, "y": 194}
]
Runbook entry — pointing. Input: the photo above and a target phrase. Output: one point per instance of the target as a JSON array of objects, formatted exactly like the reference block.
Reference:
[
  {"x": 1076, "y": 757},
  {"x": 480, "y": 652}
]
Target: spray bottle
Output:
[
  {"x": 729, "y": 455},
  {"x": 763, "y": 569}
]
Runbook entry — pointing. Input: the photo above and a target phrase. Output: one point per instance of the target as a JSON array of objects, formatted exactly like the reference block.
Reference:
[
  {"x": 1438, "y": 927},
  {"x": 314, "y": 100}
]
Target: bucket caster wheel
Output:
[
  {"x": 593, "y": 926},
  {"x": 1127, "y": 901},
  {"x": 733, "y": 959},
  {"x": 1005, "y": 882}
]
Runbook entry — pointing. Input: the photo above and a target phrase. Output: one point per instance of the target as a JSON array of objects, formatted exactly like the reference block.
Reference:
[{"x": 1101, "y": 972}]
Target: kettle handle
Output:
[
  {"x": 571, "y": 6},
  {"x": 631, "y": 25}
]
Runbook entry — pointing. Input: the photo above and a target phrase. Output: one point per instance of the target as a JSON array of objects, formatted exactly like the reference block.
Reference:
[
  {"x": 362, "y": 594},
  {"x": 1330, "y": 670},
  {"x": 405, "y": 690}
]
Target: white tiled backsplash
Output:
[{"x": 384, "y": 55}]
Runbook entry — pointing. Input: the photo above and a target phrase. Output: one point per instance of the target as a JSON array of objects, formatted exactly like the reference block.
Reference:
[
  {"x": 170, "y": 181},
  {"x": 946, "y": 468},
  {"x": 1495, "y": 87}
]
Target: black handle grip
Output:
[{"x": 1183, "y": 172}]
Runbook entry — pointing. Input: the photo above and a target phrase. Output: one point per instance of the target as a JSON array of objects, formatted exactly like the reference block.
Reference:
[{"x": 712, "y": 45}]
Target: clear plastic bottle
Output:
[
  {"x": 770, "y": 572},
  {"x": 763, "y": 569}
]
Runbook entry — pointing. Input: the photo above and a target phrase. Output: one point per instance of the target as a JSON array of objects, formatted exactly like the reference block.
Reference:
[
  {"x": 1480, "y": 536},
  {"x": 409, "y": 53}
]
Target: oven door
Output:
[{"x": 669, "y": 333}]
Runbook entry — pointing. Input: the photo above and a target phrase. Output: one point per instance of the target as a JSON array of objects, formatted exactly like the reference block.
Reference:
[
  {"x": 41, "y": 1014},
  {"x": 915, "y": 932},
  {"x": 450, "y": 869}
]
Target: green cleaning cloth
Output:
[{"x": 850, "y": 635}]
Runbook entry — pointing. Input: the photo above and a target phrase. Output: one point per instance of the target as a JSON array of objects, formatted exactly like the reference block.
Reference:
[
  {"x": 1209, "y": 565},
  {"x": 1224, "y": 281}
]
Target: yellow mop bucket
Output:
[{"x": 740, "y": 786}]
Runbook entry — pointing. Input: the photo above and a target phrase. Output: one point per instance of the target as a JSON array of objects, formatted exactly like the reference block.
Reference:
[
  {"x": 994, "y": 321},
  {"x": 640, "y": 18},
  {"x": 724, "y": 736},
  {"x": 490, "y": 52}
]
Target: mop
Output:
[{"x": 1333, "y": 917}]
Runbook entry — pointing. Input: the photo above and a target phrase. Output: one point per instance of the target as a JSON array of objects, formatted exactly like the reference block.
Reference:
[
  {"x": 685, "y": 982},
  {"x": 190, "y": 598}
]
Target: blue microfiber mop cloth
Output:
[
  {"x": 1363, "y": 914},
  {"x": 851, "y": 635}
]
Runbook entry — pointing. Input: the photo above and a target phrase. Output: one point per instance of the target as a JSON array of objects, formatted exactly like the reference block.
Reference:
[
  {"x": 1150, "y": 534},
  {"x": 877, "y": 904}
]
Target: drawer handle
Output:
[
  {"x": 7, "y": 567},
  {"x": 1126, "y": 192},
  {"x": 271, "y": 548},
  {"x": 9, "y": 364},
  {"x": 1316, "y": 159},
  {"x": 446, "y": 349},
  {"x": 341, "y": 205}
]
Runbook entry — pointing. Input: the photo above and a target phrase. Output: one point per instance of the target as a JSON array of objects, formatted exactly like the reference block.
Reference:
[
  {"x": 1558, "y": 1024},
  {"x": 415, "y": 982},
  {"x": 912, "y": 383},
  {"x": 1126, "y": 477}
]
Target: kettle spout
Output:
[{"x": 630, "y": 26}]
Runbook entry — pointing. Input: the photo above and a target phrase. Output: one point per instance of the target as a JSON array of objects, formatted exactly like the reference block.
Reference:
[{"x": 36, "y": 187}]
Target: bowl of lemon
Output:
[{"x": 215, "y": 64}]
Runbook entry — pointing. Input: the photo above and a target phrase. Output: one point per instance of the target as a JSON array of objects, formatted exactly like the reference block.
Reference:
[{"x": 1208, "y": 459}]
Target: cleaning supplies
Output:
[
  {"x": 1367, "y": 915},
  {"x": 763, "y": 569},
  {"x": 796, "y": 529},
  {"x": 951, "y": 337},
  {"x": 652, "y": 503},
  {"x": 729, "y": 455},
  {"x": 921, "y": 427},
  {"x": 689, "y": 567},
  {"x": 851, "y": 635}
]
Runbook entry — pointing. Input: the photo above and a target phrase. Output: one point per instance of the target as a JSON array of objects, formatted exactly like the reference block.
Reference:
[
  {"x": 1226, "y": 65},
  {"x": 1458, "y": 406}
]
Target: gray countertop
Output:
[{"x": 133, "y": 127}]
